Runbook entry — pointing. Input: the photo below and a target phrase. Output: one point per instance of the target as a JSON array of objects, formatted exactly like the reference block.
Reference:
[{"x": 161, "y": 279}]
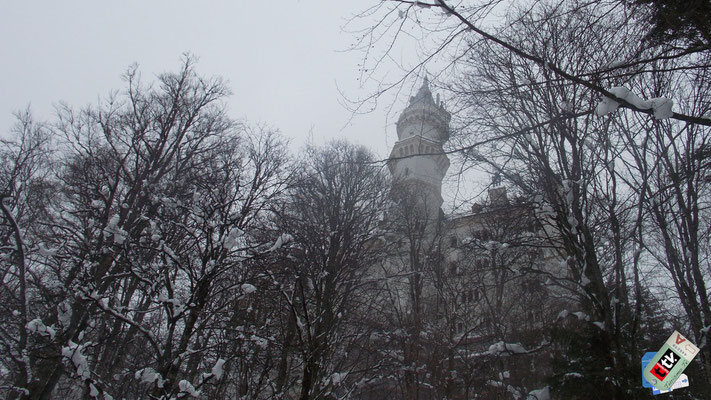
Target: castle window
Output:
[
  {"x": 453, "y": 269},
  {"x": 535, "y": 254},
  {"x": 402, "y": 152},
  {"x": 532, "y": 317},
  {"x": 482, "y": 263},
  {"x": 532, "y": 227},
  {"x": 532, "y": 285},
  {"x": 412, "y": 149},
  {"x": 453, "y": 242}
]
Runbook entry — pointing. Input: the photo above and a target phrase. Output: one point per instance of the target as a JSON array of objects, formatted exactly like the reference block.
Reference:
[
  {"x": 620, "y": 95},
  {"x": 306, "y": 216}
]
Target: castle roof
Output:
[{"x": 424, "y": 94}]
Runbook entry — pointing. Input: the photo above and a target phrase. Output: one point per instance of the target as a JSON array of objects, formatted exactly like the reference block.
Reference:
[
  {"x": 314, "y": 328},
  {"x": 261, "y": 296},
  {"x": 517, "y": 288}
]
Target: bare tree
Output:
[
  {"x": 669, "y": 179},
  {"x": 414, "y": 232},
  {"x": 679, "y": 22},
  {"x": 25, "y": 191},
  {"x": 331, "y": 223},
  {"x": 442, "y": 26},
  {"x": 137, "y": 276},
  {"x": 567, "y": 164}
]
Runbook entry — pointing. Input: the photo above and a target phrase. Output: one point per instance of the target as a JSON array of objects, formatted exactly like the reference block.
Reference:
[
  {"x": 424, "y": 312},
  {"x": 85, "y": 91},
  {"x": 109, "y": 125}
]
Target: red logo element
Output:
[
  {"x": 659, "y": 371},
  {"x": 679, "y": 338}
]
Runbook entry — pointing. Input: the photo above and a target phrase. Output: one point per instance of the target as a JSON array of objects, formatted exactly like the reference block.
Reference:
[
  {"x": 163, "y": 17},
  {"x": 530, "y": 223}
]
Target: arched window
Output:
[{"x": 453, "y": 269}]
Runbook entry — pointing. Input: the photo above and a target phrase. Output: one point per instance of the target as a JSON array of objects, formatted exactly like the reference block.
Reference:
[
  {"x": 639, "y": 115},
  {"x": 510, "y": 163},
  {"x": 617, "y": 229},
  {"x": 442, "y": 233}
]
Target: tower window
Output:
[
  {"x": 532, "y": 227},
  {"x": 402, "y": 152},
  {"x": 482, "y": 263}
]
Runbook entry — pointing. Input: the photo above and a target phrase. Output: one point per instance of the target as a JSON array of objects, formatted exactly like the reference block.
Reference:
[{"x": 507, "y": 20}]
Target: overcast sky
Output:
[{"x": 284, "y": 60}]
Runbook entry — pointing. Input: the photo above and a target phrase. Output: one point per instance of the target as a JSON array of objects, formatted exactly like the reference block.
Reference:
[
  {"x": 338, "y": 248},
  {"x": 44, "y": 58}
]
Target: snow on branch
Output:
[
  {"x": 38, "y": 327},
  {"x": 187, "y": 387},
  {"x": 150, "y": 376},
  {"x": 664, "y": 108},
  {"x": 283, "y": 239},
  {"x": 103, "y": 305},
  {"x": 539, "y": 394},
  {"x": 661, "y": 107},
  {"x": 73, "y": 352},
  {"x": 218, "y": 370},
  {"x": 503, "y": 348}
]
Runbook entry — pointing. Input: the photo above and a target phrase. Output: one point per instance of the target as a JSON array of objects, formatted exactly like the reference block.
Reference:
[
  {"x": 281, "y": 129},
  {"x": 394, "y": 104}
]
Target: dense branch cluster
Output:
[
  {"x": 152, "y": 247},
  {"x": 598, "y": 114}
]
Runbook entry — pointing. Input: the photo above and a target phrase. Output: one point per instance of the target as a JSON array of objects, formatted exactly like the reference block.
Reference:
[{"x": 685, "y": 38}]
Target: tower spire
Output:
[
  {"x": 424, "y": 94},
  {"x": 418, "y": 161}
]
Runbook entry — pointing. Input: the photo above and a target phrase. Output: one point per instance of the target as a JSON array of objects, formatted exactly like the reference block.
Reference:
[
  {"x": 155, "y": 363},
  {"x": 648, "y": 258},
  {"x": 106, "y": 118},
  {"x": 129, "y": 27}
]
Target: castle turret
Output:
[{"x": 417, "y": 161}]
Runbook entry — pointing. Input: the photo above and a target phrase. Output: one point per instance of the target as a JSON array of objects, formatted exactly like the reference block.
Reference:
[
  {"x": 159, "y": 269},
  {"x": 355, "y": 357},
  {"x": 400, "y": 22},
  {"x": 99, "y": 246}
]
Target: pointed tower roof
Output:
[
  {"x": 423, "y": 95},
  {"x": 424, "y": 115}
]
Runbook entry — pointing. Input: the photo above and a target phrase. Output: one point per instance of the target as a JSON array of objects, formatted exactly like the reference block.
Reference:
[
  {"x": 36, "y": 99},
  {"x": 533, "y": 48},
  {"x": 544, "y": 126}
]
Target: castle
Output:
[{"x": 462, "y": 285}]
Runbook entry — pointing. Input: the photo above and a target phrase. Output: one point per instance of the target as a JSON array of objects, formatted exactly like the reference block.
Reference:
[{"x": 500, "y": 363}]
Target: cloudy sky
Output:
[{"x": 285, "y": 60}]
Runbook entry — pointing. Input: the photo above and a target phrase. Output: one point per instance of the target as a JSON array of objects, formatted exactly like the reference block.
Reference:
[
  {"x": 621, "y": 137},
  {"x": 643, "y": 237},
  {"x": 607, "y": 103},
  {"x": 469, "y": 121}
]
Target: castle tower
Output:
[{"x": 417, "y": 162}]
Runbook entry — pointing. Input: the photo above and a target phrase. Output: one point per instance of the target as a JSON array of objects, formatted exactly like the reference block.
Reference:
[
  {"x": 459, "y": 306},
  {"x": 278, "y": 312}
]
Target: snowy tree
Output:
[
  {"x": 329, "y": 229},
  {"x": 443, "y": 26},
  {"x": 568, "y": 170},
  {"x": 137, "y": 273},
  {"x": 583, "y": 114},
  {"x": 25, "y": 193}
]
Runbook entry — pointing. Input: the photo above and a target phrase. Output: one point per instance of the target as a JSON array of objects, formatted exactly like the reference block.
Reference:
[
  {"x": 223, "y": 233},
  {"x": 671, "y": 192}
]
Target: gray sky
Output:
[{"x": 284, "y": 60}]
